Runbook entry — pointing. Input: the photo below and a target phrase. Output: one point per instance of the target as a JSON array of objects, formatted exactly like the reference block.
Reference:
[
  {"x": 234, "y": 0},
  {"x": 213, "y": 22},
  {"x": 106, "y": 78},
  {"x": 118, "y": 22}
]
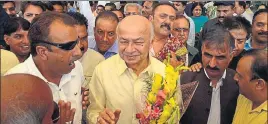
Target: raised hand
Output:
[
  {"x": 66, "y": 113},
  {"x": 85, "y": 93},
  {"x": 196, "y": 67},
  {"x": 107, "y": 116},
  {"x": 174, "y": 61}
]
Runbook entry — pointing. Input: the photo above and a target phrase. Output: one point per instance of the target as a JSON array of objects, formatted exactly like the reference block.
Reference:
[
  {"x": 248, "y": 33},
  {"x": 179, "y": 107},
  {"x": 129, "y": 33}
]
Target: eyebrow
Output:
[{"x": 213, "y": 55}]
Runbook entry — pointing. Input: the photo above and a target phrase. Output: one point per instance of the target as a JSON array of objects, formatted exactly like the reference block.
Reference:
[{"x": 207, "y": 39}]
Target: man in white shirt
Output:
[
  {"x": 240, "y": 10},
  {"x": 117, "y": 83},
  {"x": 54, "y": 52}
]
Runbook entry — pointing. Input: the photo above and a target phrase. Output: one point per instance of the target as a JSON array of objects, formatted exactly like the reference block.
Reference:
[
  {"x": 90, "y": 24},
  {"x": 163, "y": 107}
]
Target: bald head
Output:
[
  {"x": 25, "y": 99},
  {"x": 135, "y": 34},
  {"x": 136, "y": 23}
]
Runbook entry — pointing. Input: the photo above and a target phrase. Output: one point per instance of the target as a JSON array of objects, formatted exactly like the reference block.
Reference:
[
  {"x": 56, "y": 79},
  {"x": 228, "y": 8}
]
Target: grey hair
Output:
[
  {"x": 15, "y": 114},
  {"x": 133, "y": 4},
  {"x": 217, "y": 39},
  {"x": 151, "y": 31},
  {"x": 21, "y": 112}
]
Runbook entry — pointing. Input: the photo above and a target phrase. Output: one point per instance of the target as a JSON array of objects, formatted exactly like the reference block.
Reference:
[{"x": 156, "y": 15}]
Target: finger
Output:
[
  {"x": 72, "y": 113},
  {"x": 68, "y": 112},
  {"x": 110, "y": 113},
  {"x": 62, "y": 111},
  {"x": 117, "y": 115},
  {"x": 101, "y": 121},
  {"x": 106, "y": 117},
  {"x": 86, "y": 93},
  {"x": 85, "y": 98}
]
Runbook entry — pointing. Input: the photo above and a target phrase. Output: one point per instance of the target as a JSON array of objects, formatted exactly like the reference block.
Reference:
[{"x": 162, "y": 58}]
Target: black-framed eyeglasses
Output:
[{"x": 65, "y": 46}]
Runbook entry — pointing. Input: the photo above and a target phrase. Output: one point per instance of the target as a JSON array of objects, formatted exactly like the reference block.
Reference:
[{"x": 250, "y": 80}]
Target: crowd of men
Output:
[{"x": 83, "y": 62}]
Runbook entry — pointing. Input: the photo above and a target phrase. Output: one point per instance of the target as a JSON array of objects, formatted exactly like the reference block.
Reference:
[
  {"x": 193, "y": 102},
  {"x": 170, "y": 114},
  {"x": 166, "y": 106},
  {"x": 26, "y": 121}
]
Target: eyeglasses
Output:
[
  {"x": 184, "y": 30},
  {"x": 65, "y": 46},
  {"x": 10, "y": 9}
]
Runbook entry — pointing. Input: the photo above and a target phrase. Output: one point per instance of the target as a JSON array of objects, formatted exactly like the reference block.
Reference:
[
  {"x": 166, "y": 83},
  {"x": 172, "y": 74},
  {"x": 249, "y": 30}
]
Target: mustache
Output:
[
  {"x": 165, "y": 25},
  {"x": 214, "y": 68},
  {"x": 221, "y": 17},
  {"x": 263, "y": 33}
]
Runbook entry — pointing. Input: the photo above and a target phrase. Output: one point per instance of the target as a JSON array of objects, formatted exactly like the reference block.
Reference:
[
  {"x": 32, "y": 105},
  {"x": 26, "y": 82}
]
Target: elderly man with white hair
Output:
[
  {"x": 132, "y": 9},
  {"x": 116, "y": 85}
]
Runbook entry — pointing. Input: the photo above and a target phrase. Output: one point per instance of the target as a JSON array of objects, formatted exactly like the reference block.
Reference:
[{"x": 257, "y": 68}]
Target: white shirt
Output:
[
  {"x": 69, "y": 88},
  {"x": 86, "y": 11},
  {"x": 248, "y": 16},
  {"x": 191, "y": 38},
  {"x": 215, "y": 107}
]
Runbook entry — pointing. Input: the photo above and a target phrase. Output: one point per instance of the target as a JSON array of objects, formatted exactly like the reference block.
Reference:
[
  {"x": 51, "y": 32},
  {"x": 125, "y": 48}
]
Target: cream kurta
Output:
[{"x": 115, "y": 86}]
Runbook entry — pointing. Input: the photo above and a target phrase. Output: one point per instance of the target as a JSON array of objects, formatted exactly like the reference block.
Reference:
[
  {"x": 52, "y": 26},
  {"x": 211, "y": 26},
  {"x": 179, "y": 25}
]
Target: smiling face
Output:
[
  {"x": 259, "y": 28},
  {"x": 162, "y": 20},
  {"x": 18, "y": 42},
  {"x": 134, "y": 41}
]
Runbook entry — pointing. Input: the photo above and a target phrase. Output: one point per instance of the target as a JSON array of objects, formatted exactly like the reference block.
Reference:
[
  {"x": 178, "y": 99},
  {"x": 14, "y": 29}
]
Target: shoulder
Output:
[
  {"x": 78, "y": 68},
  {"x": 93, "y": 55},
  {"x": 188, "y": 76},
  {"x": 108, "y": 63},
  {"x": 20, "y": 68},
  {"x": 230, "y": 73},
  {"x": 158, "y": 66}
]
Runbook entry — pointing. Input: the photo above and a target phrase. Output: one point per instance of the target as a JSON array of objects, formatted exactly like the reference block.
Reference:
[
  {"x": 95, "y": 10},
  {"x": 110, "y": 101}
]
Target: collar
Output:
[
  {"x": 248, "y": 44},
  {"x": 112, "y": 49},
  {"x": 122, "y": 67},
  {"x": 220, "y": 80},
  {"x": 34, "y": 71},
  {"x": 259, "y": 109},
  {"x": 191, "y": 50}
]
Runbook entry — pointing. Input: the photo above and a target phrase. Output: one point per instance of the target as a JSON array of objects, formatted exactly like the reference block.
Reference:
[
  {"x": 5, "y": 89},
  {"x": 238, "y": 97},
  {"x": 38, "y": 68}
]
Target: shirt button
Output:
[{"x": 60, "y": 90}]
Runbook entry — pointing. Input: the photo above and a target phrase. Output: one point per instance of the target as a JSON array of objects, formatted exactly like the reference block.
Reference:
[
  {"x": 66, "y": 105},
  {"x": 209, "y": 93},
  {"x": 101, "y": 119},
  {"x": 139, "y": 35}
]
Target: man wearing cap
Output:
[{"x": 224, "y": 9}]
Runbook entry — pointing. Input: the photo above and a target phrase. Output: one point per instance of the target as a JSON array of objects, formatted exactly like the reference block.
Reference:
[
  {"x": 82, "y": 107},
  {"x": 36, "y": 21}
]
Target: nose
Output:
[
  {"x": 77, "y": 52},
  {"x": 222, "y": 14},
  {"x": 181, "y": 32},
  {"x": 212, "y": 62},
  {"x": 105, "y": 37},
  {"x": 129, "y": 48},
  {"x": 236, "y": 44}
]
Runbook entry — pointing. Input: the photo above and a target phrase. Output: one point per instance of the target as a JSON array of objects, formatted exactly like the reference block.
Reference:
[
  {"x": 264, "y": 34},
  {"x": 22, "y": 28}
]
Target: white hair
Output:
[{"x": 135, "y": 5}]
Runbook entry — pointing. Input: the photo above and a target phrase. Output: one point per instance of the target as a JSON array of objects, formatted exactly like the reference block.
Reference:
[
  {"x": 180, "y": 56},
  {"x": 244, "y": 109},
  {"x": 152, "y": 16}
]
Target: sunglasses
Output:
[
  {"x": 65, "y": 46},
  {"x": 10, "y": 9}
]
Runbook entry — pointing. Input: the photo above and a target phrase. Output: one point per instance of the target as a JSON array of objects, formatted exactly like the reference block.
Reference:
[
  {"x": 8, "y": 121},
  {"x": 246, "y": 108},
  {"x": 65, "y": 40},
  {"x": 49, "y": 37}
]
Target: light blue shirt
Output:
[
  {"x": 110, "y": 52},
  {"x": 248, "y": 45}
]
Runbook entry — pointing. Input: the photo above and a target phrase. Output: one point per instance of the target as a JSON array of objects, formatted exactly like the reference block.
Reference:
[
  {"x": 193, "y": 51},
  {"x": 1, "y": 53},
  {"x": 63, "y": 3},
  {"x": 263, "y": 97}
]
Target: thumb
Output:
[{"x": 117, "y": 114}]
